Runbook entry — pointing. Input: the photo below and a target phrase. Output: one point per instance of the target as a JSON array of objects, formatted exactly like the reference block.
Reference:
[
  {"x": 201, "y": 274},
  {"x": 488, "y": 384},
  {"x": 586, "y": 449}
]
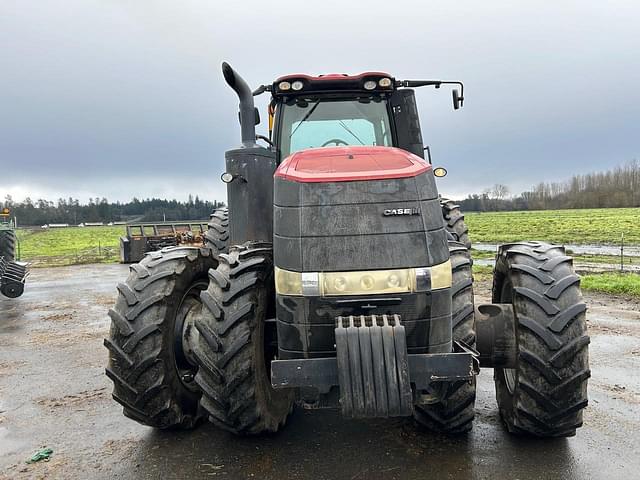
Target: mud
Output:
[{"x": 53, "y": 393}]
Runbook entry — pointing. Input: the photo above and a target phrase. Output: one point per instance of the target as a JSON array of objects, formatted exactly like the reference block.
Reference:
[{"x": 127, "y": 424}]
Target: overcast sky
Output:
[{"x": 118, "y": 98}]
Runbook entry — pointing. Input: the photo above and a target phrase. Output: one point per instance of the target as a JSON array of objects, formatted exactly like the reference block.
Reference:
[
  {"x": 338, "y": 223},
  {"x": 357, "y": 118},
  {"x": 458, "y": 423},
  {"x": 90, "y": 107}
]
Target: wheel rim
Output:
[
  {"x": 510, "y": 379},
  {"x": 186, "y": 369},
  {"x": 510, "y": 374},
  {"x": 434, "y": 395}
]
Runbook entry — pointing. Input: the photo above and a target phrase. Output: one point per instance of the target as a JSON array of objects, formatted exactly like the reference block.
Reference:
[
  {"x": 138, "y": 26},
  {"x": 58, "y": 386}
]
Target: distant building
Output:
[{"x": 56, "y": 225}]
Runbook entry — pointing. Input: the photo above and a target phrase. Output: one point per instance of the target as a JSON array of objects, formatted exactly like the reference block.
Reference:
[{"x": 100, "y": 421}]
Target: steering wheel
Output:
[{"x": 337, "y": 141}]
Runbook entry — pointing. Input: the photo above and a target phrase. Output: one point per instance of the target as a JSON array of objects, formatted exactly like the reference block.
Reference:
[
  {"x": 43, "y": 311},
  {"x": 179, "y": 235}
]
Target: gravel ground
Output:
[{"x": 53, "y": 392}]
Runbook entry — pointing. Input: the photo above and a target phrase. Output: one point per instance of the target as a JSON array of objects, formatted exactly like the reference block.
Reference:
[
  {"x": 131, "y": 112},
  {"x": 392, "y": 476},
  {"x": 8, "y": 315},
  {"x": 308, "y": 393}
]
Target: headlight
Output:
[
  {"x": 369, "y": 85},
  {"x": 371, "y": 282},
  {"x": 288, "y": 283},
  {"x": 384, "y": 82},
  {"x": 297, "y": 85},
  {"x": 284, "y": 86},
  {"x": 365, "y": 283},
  {"x": 441, "y": 276}
]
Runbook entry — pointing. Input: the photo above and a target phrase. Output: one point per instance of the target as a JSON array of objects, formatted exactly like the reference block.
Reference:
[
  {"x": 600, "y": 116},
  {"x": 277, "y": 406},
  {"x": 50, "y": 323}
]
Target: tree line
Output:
[
  {"x": 71, "y": 211},
  {"x": 618, "y": 187}
]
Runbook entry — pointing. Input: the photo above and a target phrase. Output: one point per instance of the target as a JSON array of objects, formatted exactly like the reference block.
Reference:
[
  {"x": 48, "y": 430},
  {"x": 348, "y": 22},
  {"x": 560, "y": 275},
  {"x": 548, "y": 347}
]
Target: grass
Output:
[
  {"x": 623, "y": 284},
  {"x": 70, "y": 246},
  {"x": 626, "y": 284},
  {"x": 482, "y": 273},
  {"x": 589, "y": 226}
]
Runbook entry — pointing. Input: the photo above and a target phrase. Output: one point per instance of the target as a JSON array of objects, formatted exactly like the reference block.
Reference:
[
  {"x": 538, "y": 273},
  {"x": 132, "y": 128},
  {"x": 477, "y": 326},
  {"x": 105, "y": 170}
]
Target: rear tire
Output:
[
  {"x": 453, "y": 411},
  {"x": 8, "y": 245},
  {"x": 153, "y": 379},
  {"x": 217, "y": 235},
  {"x": 454, "y": 222},
  {"x": 235, "y": 344},
  {"x": 547, "y": 391}
]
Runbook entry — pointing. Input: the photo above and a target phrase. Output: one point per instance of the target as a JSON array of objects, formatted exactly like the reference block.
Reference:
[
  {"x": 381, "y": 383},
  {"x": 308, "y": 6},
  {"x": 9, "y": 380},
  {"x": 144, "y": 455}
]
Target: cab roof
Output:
[{"x": 332, "y": 83}]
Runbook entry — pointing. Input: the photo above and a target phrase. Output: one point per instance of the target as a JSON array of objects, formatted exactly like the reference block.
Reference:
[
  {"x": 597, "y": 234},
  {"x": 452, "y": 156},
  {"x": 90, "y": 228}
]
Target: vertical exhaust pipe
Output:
[{"x": 247, "y": 108}]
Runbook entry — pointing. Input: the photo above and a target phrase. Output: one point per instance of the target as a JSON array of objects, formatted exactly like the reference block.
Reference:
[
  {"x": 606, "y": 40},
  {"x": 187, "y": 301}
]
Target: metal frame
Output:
[{"x": 375, "y": 374}]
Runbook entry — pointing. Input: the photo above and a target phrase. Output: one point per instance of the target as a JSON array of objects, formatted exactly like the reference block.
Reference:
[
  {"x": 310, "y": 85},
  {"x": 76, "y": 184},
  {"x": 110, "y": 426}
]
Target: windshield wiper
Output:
[
  {"x": 304, "y": 119},
  {"x": 342, "y": 124}
]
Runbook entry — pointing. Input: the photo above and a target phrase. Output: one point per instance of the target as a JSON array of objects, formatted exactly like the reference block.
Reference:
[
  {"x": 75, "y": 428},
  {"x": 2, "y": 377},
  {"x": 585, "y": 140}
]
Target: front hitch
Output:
[{"x": 373, "y": 369}]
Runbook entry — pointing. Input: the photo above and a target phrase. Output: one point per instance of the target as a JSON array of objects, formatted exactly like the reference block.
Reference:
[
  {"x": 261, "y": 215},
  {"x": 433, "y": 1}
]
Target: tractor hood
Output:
[
  {"x": 354, "y": 209},
  {"x": 348, "y": 164}
]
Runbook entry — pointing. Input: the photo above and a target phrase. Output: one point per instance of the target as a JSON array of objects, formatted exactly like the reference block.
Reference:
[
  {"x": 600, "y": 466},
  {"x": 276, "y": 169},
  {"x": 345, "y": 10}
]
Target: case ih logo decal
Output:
[{"x": 401, "y": 211}]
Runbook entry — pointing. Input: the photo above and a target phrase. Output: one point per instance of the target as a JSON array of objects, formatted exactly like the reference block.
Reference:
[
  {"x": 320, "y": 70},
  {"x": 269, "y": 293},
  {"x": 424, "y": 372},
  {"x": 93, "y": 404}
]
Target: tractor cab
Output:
[
  {"x": 369, "y": 109},
  {"x": 332, "y": 110},
  {"x": 5, "y": 216}
]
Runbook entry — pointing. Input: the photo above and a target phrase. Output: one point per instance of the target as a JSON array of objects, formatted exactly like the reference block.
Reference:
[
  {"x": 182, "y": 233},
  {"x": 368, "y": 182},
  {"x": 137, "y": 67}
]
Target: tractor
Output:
[
  {"x": 339, "y": 278},
  {"x": 13, "y": 272}
]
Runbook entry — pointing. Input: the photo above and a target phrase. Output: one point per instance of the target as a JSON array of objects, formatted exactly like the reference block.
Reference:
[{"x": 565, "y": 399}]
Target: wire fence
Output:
[{"x": 95, "y": 254}]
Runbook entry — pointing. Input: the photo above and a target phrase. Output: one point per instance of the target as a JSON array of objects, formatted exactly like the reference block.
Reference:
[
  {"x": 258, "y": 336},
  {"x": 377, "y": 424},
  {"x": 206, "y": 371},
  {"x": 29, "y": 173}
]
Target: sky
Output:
[{"x": 115, "y": 99}]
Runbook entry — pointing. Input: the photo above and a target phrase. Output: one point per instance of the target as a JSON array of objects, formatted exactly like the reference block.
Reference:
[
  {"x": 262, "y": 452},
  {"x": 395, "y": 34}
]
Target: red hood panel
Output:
[{"x": 346, "y": 164}]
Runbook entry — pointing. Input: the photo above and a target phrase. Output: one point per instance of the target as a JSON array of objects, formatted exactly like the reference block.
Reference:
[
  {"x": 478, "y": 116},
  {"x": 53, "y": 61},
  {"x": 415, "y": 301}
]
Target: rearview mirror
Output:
[{"x": 457, "y": 99}]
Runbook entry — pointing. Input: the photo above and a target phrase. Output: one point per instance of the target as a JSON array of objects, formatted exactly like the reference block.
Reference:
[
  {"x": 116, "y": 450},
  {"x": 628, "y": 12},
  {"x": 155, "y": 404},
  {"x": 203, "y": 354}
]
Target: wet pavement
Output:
[{"x": 53, "y": 393}]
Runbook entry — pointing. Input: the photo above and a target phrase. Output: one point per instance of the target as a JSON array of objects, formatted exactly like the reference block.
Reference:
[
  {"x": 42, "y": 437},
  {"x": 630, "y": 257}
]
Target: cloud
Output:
[{"x": 119, "y": 99}]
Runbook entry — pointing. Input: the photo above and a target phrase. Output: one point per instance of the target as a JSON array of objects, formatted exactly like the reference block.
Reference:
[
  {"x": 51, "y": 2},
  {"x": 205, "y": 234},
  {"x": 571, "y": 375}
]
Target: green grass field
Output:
[
  {"x": 626, "y": 284},
  {"x": 70, "y": 246},
  {"x": 591, "y": 226}
]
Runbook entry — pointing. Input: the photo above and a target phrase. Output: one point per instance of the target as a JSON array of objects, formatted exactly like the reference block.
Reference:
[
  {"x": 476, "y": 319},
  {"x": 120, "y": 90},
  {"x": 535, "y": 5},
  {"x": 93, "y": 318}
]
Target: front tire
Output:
[
  {"x": 150, "y": 369},
  {"x": 547, "y": 391},
  {"x": 237, "y": 342},
  {"x": 453, "y": 409}
]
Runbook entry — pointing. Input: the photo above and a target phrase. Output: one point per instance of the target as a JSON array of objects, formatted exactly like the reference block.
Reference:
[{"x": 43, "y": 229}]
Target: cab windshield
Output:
[{"x": 322, "y": 122}]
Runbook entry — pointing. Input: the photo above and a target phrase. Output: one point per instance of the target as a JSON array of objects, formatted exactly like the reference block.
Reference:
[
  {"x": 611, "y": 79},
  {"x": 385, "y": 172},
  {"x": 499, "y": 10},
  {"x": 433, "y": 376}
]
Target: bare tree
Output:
[{"x": 499, "y": 191}]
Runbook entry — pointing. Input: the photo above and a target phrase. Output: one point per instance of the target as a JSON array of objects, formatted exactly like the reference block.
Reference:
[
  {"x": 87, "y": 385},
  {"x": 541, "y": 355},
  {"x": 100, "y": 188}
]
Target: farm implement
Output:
[
  {"x": 143, "y": 238},
  {"x": 13, "y": 272}
]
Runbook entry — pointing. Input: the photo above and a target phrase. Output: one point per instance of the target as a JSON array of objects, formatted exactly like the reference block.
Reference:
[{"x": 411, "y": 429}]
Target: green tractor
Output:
[
  {"x": 13, "y": 273},
  {"x": 338, "y": 277}
]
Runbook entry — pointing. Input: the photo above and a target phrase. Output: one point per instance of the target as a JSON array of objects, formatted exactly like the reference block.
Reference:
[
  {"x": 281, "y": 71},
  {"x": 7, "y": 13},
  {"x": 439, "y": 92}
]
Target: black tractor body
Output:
[
  {"x": 358, "y": 257},
  {"x": 358, "y": 242}
]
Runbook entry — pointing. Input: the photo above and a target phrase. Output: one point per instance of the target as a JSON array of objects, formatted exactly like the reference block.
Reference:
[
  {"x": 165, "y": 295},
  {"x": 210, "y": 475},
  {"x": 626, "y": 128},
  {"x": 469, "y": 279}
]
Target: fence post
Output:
[{"x": 622, "y": 253}]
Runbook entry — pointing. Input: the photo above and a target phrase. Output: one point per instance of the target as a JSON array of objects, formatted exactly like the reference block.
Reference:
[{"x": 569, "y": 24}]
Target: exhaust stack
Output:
[{"x": 247, "y": 108}]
